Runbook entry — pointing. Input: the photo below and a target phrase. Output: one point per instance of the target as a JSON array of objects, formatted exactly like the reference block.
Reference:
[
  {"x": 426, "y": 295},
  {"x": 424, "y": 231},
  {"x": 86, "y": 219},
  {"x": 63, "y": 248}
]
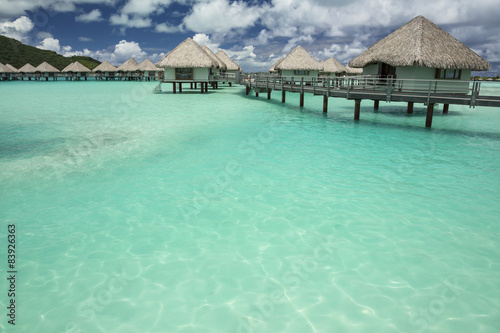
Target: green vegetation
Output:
[{"x": 18, "y": 54}]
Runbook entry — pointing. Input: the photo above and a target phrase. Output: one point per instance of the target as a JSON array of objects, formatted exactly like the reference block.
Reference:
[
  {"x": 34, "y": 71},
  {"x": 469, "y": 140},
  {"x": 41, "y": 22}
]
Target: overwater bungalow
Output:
[
  {"x": 76, "y": 71},
  {"x": 232, "y": 71},
  {"x": 129, "y": 70},
  {"x": 12, "y": 68},
  {"x": 299, "y": 64},
  {"x": 149, "y": 70},
  {"x": 331, "y": 67},
  {"x": 217, "y": 72},
  {"x": 105, "y": 70},
  {"x": 46, "y": 70},
  {"x": 353, "y": 71},
  {"x": 420, "y": 50},
  {"x": 272, "y": 69},
  {"x": 6, "y": 73},
  {"x": 26, "y": 71},
  {"x": 188, "y": 62}
]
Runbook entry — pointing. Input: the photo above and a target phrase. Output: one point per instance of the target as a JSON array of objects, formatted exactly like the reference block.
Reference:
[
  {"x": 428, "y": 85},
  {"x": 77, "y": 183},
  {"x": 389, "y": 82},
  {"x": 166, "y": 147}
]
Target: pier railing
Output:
[{"x": 378, "y": 88}]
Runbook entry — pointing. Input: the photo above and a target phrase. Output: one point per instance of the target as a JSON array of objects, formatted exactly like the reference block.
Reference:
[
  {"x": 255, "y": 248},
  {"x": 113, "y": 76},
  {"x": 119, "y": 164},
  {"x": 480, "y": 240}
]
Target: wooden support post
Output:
[
  {"x": 195, "y": 86},
  {"x": 446, "y": 107},
  {"x": 430, "y": 112},
  {"x": 325, "y": 103},
  {"x": 376, "y": 104},
  {"x": 256, "y": 93},
  {"x": 191, "y": 85},
  {"x": 174, "y": 88},
  {"x": 206, "y": 86},
  {"x": 410, "y": 108},
  {"x": 202, "y": 87},
  {"x": 283, "y": 93},
  {"x": 180, "y": 87},
  {"x": 268, "y": 93},
  {"x": 247, "y": 90},
  {"x": 301, "y": 99},
  {"x": 357, "y": 108}
]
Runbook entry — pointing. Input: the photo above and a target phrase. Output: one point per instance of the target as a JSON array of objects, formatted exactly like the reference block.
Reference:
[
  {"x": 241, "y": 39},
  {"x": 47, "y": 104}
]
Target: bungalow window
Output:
[
  {"x": 183, "y": 73},
  {"x": 448, "y": 74},
  {"x": 300, "y": 72}
]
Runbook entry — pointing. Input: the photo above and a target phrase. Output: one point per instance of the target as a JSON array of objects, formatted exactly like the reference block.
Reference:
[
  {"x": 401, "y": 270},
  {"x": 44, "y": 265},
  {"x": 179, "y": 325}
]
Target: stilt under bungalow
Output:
[{"x": 410, "y": 108}]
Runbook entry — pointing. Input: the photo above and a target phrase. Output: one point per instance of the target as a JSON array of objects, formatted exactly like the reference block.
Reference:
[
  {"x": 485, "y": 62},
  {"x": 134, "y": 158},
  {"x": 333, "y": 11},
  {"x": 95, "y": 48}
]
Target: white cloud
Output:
[
  {"x": 166, "y": 28},
  {"x": 293, "y": 42},
  {"x": 85, "y": 39},
  {"x": 220, "y": 16},
  {"x": 17, "y": 29},
  {"x": 43, "y": 35},
  {"x": 124, "y": 50},
  {"x": 129, "y": 22},
  {"x": 10, "y": 9},
  {"x": 145, "y": 7},
  {"x": 51, "y": 44},
  {"x": 92, "y": 16},
  {"x": 203, "y": 39}
]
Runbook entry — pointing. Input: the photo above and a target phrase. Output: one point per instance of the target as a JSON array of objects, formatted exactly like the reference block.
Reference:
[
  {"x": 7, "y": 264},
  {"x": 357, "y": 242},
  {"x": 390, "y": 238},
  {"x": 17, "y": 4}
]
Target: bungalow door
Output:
[{"x": 385, "y": 70}]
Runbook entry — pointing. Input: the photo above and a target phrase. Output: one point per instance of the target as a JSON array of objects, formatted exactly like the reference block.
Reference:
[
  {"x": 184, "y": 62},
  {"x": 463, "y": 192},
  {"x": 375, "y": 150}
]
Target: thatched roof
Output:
[
  {"x": 299, "y": 59},
  {"x": 12, "y": 68},
  {"x": 45, "y": 67},
  {"x": 351, "y": 70},
  {"x": 231, "y": 65},
  {"x": 75, "y": 67},
  {"x": 129, "y": 66},
  {"x": 421, "y": 43},
  {"x": 212, "y": 55},
  {"x": 4, "y": 69},
  {"x": 331, "y": 65},
  {"x": 273, "y": 67},
  {"x": 27, "y": 69},
  {"x": 147, "y": 65},
  {"x": 187, "y": 54},
  {"x": 104, "y": 67}
]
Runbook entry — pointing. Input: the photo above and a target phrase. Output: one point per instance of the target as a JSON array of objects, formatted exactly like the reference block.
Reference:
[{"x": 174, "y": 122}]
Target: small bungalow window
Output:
[
  {"x": 300, "y": 72},
  {"x": 448, "y": 74},
  {"x": 183, "y": 73}
]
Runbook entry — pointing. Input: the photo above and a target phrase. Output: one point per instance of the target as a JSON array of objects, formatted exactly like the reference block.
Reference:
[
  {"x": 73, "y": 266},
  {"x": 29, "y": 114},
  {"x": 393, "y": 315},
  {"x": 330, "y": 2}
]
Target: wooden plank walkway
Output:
[{"x": 428, "y": 92}]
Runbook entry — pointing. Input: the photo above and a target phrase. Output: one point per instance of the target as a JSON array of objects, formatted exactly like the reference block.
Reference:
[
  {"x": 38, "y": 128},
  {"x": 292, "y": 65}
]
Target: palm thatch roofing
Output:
[
  {"x": 187, "y": 54},
  {"x": 45, "y": 67},
  {"x": 28, "y": 68},
  {"x": 129, "y": 66},
  {"x": 351, "y": 70},
  {"x": 4, "y": 69},
  {"x": 231, "y": 65},
  {"x": 104, "y": 67},
  {"x": 12, "y": 68},
  {"x": 147, "y": 65},
  {"x": 75, "y": 67},
  {"x": 273, "y": 67},
  {"x": 331, "y": 65},
  {"x": 212, "y": 55},
  {"x": 421, "y": 43},
  {"x": 299, "y": 59}
]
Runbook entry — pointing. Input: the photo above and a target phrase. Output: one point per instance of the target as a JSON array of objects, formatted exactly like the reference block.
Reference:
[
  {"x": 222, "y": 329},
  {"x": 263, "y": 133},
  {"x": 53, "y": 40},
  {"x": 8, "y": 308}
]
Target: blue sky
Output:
[{"x": 254, "y": 33}]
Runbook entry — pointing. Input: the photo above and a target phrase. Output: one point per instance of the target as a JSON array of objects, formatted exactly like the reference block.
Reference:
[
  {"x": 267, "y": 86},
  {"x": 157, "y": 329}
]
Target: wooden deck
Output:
[{"x": 428, "y": 92}]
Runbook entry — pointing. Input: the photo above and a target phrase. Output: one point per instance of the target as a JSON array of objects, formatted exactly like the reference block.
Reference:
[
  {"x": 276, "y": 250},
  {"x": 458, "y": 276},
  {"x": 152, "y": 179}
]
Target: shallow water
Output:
[{"x": 224, "y": 212}]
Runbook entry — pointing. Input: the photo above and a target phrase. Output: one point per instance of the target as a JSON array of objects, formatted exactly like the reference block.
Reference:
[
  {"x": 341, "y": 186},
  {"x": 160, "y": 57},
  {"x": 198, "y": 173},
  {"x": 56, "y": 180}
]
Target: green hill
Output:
[{"x": 18, "y": 54}]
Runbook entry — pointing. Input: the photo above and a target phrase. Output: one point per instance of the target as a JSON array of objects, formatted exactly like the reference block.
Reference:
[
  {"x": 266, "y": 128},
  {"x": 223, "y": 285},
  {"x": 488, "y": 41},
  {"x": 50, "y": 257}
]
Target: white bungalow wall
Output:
[
  {"x": 199, "y": 74},
  {"x": 289, "y": 73},
  {"x": 425, "y": 73}
]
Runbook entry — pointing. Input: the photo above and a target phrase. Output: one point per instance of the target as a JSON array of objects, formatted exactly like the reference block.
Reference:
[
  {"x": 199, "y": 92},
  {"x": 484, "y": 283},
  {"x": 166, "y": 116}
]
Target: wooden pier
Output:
[{"x": 428, "y": 92}]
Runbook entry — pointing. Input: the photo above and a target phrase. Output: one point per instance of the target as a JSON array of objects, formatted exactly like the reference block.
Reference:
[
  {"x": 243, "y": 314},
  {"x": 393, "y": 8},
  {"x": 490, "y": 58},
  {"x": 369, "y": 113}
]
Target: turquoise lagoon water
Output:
[{"x": 223, "y": 212}]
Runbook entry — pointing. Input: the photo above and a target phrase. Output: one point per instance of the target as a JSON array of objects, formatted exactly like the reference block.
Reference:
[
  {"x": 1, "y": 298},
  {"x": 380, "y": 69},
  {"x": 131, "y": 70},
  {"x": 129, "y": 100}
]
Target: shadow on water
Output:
[{"x": 395, "y": 111}]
